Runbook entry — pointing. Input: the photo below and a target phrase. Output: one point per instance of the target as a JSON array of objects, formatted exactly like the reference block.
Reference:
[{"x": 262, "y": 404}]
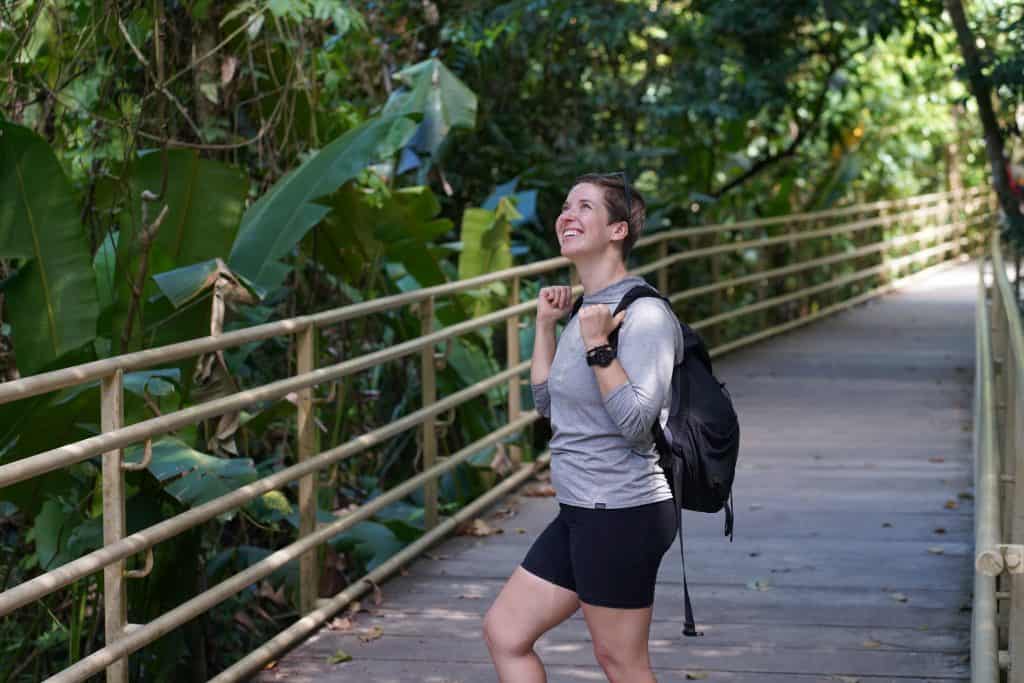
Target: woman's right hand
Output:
[{"x": 553, "y": 303}]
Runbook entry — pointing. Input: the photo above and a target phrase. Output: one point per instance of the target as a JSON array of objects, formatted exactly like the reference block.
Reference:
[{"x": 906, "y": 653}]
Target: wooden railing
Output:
[
  {"x": 880, "y": 246},
  {"x": 997, "y": 624}
]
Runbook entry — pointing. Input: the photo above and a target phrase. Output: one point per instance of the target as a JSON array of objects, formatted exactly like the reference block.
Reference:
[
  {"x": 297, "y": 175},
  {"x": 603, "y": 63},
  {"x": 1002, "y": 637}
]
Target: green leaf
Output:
[
  {"x": 52, "y": 301},
  {"x": 234, "y": 560},
  {"x": 204, "y": 199},
  {"x": 486, "y": 247},
  {"x": 438, "y": 94},
  {"x": 104, "y": 266},
  {"x": 279, "y": 219},
  {"x": 339, "y": 657},
  {"x": 270, "y": 507},
  {"x": 374, "y": 543},
  {"x": 485, "y": 240},
  {"x": 193, "y": 477},
  {"x": 181, "y": 285},
  {"x": 400, "y": 229},
  {"x": 47, "y": 532}
]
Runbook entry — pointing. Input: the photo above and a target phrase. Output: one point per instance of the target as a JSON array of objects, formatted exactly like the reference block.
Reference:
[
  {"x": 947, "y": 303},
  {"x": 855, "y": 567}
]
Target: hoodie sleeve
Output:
[
  {"x": 649, "y": 340},
  {"x": 541, "y": 399}
]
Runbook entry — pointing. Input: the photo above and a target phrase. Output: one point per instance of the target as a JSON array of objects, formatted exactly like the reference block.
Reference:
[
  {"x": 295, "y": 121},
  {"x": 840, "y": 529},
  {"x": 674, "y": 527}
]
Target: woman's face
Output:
[{"x": 582, "y": 227}]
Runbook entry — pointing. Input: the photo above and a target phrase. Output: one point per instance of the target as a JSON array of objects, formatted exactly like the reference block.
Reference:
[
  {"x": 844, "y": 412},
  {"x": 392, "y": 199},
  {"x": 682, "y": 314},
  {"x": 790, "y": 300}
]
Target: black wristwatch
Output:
[{"x": 602, "y": 355}]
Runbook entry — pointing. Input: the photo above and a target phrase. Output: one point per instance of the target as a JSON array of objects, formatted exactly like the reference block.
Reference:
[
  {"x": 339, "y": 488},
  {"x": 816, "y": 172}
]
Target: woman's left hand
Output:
[{"x": 596, "y": 324}]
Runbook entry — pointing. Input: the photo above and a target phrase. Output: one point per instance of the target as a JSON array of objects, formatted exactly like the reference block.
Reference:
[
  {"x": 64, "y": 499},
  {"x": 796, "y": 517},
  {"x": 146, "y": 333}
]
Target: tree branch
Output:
[{"x": 802, "y": 131}]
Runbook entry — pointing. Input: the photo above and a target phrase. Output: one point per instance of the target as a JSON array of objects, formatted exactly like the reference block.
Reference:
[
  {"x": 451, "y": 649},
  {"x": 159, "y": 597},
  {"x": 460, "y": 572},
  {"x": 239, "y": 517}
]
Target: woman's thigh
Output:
[
  {"x": 620, "y": 634},
  {"x": 529, "y": 606}
]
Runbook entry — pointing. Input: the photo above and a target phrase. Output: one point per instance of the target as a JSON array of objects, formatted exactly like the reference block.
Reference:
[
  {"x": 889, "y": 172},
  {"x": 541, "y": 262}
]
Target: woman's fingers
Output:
[{"x": 558, "y": 297}]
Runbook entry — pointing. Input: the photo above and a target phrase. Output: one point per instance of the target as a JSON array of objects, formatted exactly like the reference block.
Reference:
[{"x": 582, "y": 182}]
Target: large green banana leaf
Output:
[
  {"x": 52, "y": 300},
  {"x": 279, "y": 219},
  {"x": 486, "y": 247},
  {"x": 486, "y": 239},
  {"x": 204, "y": 200}
]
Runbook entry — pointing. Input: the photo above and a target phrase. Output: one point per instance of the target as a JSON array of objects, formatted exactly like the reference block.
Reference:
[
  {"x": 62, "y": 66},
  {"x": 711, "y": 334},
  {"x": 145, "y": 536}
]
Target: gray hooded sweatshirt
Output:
[{"x": 602, "y": 449}]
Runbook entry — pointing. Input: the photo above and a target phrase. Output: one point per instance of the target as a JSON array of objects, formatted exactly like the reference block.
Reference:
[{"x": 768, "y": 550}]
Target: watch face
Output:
[{"x": 602, "y": 357}]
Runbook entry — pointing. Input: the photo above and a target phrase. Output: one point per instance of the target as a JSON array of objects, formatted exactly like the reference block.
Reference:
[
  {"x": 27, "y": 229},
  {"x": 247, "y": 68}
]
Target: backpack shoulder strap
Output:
[
  {"x": 638, "y": 292},
  {"x": 577, "y": 305}
]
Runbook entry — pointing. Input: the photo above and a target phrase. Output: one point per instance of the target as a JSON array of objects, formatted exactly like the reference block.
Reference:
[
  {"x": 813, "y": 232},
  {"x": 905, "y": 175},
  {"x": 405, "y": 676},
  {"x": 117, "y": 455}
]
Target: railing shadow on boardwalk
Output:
[{"x": 853, "y": 553}]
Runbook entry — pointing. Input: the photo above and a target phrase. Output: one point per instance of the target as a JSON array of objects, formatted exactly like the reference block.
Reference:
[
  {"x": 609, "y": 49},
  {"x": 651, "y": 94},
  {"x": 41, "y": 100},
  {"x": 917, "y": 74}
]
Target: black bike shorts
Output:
[{"x": 608, "y": 557}]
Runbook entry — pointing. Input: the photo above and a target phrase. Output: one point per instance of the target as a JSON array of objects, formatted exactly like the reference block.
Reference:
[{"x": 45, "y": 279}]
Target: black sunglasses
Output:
[{"x": 625, "y": 190}]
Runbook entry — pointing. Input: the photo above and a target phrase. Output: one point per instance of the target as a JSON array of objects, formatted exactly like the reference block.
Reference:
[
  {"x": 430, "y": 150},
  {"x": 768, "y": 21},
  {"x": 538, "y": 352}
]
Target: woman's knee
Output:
[
  {"x": 608, "y": 657},
  {"x": 618, "y": 662},
  {"x": 503, "y": 637}
]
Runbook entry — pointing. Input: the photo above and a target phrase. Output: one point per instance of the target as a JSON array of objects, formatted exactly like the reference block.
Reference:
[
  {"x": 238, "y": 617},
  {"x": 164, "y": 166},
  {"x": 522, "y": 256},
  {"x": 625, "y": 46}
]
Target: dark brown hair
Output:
[{"x": 613, "y": 189}]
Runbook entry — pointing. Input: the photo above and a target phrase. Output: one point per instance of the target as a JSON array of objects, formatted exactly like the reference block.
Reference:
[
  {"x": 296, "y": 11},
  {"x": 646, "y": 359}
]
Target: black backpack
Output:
[{"x": 700, "y": 444}]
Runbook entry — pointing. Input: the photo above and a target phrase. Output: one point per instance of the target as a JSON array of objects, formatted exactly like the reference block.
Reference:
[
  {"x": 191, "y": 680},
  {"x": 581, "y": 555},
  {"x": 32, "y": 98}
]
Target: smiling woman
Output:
[{"x": 616, "y": 517}]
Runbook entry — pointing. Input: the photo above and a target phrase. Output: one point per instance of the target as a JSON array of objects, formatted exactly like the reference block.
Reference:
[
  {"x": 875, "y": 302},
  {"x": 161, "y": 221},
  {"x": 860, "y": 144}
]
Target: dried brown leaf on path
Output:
[
  {"x": 340, "y": 624},
  {"x": 478, "y": 527},
  {"x": 371, "y": 634},
  {"x": 538, "y": 490},
  {"x": 504, "y": 513}
]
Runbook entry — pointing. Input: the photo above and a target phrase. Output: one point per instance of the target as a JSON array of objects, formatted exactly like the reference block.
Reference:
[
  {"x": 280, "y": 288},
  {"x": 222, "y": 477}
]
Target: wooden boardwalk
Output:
[{"x": 853, "y": 535}]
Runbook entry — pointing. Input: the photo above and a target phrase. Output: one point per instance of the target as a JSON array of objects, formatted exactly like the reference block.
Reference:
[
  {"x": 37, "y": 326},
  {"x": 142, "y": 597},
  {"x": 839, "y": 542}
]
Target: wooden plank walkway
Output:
[{"x": 853, "y": 535}]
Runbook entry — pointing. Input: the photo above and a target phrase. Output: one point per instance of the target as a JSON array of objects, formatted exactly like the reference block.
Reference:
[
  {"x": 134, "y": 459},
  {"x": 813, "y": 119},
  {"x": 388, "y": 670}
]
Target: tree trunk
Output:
[{"x": 982, "y": 91}]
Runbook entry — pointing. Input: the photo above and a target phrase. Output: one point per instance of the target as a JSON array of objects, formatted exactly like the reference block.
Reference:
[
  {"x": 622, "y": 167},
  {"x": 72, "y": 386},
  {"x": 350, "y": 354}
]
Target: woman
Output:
[{"x": 616, "y": 515}]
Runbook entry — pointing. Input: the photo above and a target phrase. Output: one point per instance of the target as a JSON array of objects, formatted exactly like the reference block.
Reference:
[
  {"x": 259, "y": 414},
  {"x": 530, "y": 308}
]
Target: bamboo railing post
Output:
[
  {"x": 305, "y": 349},
  {"x": 955, "y": 229},
  {"x": 515, "y": 384},
  {"x": 715, "y": 334},
  {"x": 663, "y": 271},
  {"x": 884, "y": 233},
  {"x": 999, "y": 359},
  {"x": 428, "y": 431},
  {"x": 763, "y": 255},
  {"x": 115, "y": 605},
  {"x": 1015, "y": 533}
]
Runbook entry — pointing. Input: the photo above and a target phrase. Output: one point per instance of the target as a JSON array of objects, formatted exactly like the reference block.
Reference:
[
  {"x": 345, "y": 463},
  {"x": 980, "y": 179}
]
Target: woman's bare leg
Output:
[
  {"x": 527, "y": 607},
  {"x": 621, "y": 642}
]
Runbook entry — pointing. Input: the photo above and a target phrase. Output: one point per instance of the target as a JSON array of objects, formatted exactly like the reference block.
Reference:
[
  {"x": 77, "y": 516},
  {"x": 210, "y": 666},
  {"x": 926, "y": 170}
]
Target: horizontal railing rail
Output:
[{"x": 931, "y": 230}]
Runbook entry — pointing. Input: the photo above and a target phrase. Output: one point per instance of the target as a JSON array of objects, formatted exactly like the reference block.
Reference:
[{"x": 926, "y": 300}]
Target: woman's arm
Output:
[
  {"x": 543, "y": 352},
  {"x": 635, "y": 385},
  {"x": 552, "y": 304}
]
